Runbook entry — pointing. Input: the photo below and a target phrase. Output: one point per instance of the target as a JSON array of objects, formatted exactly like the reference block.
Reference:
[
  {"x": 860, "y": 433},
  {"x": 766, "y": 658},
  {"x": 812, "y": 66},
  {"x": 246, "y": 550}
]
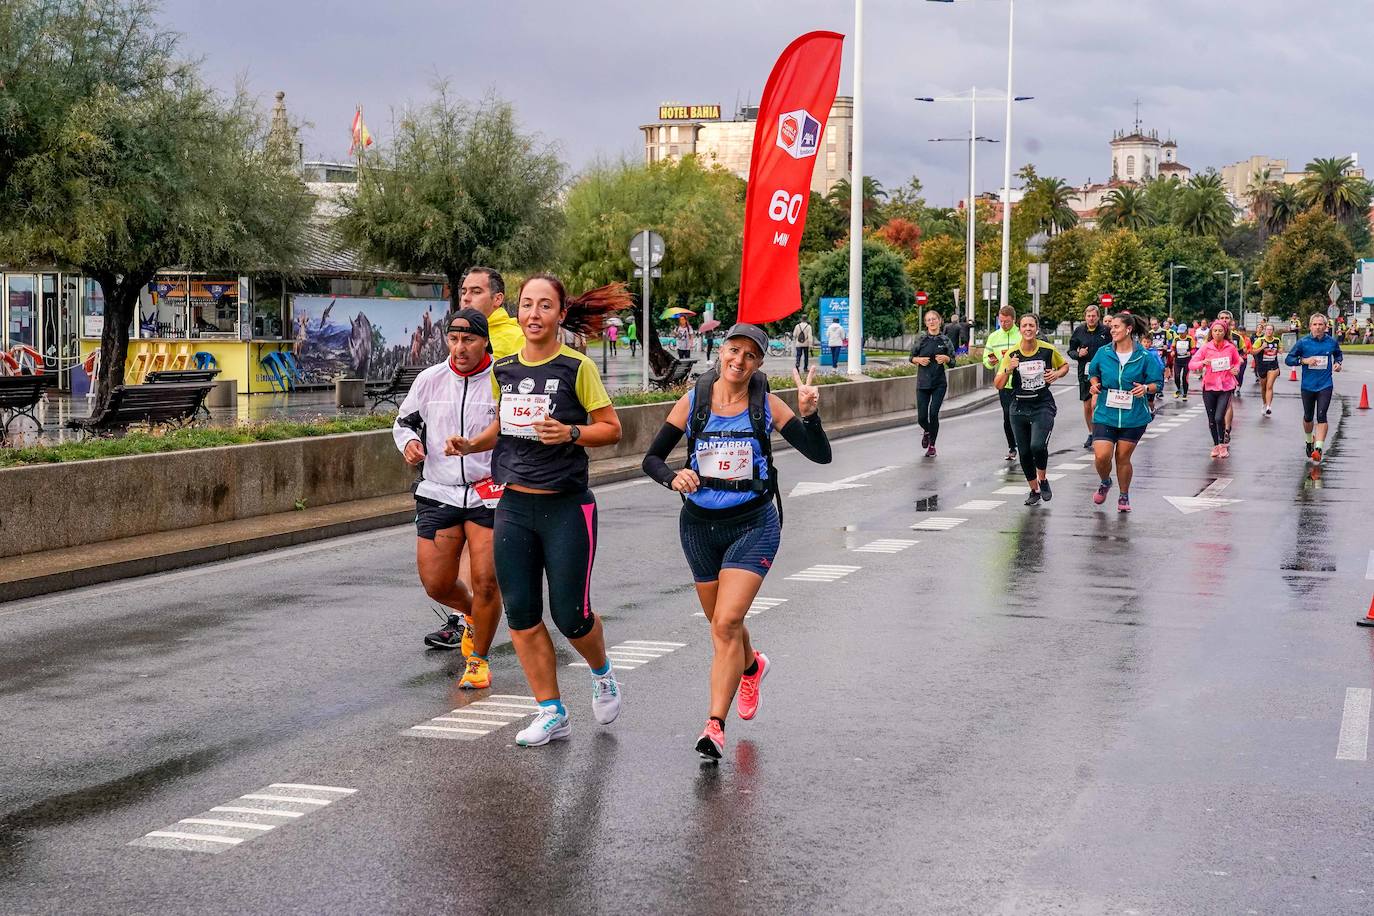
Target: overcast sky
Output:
[{"x": 1227, "y": 78}]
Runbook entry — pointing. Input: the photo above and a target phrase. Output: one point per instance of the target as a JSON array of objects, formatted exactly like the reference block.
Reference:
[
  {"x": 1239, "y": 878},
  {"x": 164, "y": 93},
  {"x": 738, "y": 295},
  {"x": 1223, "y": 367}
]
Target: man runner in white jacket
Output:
[{"x": 455, "y": 499}]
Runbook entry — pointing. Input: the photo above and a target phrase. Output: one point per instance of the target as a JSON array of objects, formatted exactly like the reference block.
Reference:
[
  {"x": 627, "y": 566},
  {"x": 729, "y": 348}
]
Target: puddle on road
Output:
[{"x": 928, "y": 503}]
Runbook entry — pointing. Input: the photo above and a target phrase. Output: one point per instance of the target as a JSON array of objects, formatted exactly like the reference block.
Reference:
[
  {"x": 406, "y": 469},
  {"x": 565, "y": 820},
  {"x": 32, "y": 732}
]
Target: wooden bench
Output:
[
  {"x": 173, "y": 404},
  {"x": 394, "y": 389},
  {"x": 677, "y": 373},
  {"x": 19, "y": 395},
  {"x": 163, "y": 376}
]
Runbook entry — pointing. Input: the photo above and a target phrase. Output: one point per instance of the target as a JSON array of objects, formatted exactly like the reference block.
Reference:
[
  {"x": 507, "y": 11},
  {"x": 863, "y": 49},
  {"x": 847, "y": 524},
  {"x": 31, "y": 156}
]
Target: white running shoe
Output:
[
  {"x": 606, "y": 698},
  {"x": 547, "y": 726}
]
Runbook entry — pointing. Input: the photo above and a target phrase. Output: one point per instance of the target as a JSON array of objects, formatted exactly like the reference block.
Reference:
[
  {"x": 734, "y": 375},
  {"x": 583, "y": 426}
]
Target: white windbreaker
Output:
[{"x": 441, "y": 404}]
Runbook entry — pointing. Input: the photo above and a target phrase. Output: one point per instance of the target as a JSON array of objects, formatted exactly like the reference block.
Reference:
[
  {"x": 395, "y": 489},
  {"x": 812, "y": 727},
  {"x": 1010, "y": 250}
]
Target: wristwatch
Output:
[{"x": 574, "y": 433}]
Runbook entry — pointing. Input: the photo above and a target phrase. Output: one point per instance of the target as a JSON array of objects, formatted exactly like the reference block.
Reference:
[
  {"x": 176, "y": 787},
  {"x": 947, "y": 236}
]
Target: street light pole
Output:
[
  {"x": 856, "y": 203},
  {"x": 971, "y": 207},
  {"x": 1006, "y": 166},
  {"x": 1172, "y": 268},
  {"x": 972, "y": 141}
]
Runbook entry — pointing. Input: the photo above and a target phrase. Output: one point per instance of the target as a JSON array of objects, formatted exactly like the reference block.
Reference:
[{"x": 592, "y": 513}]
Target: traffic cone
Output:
[
  {"x": 1293, "y": 376},
  {"x": 1364, "y": 397},
  {"x": 1368, "y": 619}
]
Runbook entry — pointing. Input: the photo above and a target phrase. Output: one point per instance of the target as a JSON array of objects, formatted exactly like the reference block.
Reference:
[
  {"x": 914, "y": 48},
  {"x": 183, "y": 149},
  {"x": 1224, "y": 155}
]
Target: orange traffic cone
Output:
[
  {"x": 1364, "y": 397},
  {"x": 1293, "y": 376},
  {"x": 1368, "y": 619}
]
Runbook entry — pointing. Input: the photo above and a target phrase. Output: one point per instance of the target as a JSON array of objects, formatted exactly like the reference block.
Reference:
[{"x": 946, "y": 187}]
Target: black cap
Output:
[
  {"x": 752, "y": 332},
  {"x": 469, "y": 321}
]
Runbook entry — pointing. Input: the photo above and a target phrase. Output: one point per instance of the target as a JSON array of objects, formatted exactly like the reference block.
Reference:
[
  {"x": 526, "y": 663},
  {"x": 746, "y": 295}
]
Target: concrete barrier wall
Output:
[{"x": 51, "y": 506}]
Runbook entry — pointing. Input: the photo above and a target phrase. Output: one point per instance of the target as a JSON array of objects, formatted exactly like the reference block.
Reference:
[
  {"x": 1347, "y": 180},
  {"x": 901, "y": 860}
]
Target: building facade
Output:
[
  {"x": 1137, "y": 158},
  {"x": 699, "y": 130}
]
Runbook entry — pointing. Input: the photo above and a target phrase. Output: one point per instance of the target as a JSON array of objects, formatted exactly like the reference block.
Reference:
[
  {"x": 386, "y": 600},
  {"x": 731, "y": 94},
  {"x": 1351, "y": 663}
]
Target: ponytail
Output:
[{"x": 586, "y": 314}]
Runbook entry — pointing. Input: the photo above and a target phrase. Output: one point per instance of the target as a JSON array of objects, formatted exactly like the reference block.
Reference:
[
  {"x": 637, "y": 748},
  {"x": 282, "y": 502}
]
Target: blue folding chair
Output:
[{"x": 206, "y": 360}]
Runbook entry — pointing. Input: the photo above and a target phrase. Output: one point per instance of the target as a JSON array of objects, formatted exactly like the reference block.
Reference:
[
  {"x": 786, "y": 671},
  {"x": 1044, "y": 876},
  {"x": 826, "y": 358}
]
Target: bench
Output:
[
  {"x": 394, "y": 389},
  {"x": 173, "y": 404},
  {"x": 19, "y": 395},
  {"x": 165, "y": 376},
  {"x": 677, "y": 373}
]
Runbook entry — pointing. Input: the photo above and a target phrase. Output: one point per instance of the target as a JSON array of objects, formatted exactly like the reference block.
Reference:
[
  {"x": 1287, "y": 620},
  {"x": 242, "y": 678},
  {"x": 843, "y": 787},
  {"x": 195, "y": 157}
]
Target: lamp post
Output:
[
  {"x": 1241, "y": 277},
  {"x": 972, "y": 140},
  {"x": 1173, "y": 267},
  {"x": 1225, "y": 288},
  {"x": 970, "y": 243},
  {"x": 856, "y": 203}
]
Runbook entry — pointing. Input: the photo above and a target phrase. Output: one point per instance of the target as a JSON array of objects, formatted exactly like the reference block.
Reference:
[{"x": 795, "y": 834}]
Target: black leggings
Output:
[
  {"x": 1181, "y": 375},
  {"x": 1315, "y": 405},
  {"x": 1032, "y": 427},
  {"x": 1216, "y": 403},
  {"x": 928, "y": 401},
  {"x": 1006, "y": 397},
  {"x": 553, "y": 535}
]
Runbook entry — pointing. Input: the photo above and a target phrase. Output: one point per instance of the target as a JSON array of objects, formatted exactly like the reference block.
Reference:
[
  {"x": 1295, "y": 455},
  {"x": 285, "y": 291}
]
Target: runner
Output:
[
  {"x": 1087, "y": 339},
  {"x": 1160, "y": 338},
  {"x": 1032, "y": 367},
  {"x": 1242, "y": 347},
  {"x": 1124, "y": 375},
  {"x": 483, "y": 289},
  {"x": 1219, "y": 361},
  {"x": 1183, "y": 348},
  {"x": 994, "y": 348},
  {"x": 454, "y": 496},
  {"x": 1319, "y": 354},
  {"x": 729, "y": 525},
  {"x": 552, "y": 406},
  {"x": 932, "y": 353},
  {"x": 1265, "y": 347}
]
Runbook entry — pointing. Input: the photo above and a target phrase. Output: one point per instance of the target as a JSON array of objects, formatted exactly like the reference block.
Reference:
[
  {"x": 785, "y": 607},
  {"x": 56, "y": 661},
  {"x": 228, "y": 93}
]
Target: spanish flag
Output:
[{"x": 362, "y": 137}]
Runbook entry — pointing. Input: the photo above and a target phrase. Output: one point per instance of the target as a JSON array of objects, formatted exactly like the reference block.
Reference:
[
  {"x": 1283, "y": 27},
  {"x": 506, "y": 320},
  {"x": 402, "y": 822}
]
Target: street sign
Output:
[
  {"x": 990, "y": 284},
  {"x": 654, "y": 272},
  {"x": 922, "y": 298},
  {"x": 1334, "y": 293},
  {"x": 1038, "y": 278},
  {"x": 1333, "y": 311},
  {"x": 1356, "y": 286},
  {"x": 1106, "y": 300},
  {"x": 655, "y": 253}
]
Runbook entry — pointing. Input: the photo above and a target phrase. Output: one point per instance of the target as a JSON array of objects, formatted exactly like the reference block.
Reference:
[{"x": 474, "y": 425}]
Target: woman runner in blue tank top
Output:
[{"x": 729, "y": 525}]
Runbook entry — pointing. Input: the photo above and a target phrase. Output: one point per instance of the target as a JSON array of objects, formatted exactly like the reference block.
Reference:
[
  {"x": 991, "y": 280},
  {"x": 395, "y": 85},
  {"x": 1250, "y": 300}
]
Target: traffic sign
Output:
[
  {"x": 1106, "y": 300},
  {"x": 1356, "y": 286},
  {"x": 1038, "y": 277},
  {"x": 1334, "y": 292},
  {"x": 655, "y": 252},
  {"x": 922, "y": 298}
]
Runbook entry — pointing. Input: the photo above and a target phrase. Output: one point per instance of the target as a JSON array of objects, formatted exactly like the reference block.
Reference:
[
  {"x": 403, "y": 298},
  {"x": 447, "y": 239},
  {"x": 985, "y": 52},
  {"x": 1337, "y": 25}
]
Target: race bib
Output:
[
  {"x": 489, "y": 491},
  {"x": 1116, "y": 397},
  {"x": 519, "y": 413},
  {"x": 726, "y": 460},
  {"x": 1318, "y": 362},
  {"x": 1032, "y": 374},
  {"x": 1220, "y": 363},
  {"x": 1181, "y": 346}
]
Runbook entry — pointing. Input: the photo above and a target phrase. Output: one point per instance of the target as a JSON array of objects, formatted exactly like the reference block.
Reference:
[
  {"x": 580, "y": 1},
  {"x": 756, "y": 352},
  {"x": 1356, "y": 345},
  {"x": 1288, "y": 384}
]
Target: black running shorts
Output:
[{"x": 432, "y": 516}]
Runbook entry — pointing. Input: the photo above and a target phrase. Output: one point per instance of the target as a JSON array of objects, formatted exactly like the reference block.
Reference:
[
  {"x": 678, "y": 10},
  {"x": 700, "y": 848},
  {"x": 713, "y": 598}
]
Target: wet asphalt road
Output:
[{"x": 1040, "y": 710}]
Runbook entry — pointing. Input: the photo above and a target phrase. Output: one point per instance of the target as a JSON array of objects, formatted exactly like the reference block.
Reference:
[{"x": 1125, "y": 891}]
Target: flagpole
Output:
[{"x": 856, "y": 204}]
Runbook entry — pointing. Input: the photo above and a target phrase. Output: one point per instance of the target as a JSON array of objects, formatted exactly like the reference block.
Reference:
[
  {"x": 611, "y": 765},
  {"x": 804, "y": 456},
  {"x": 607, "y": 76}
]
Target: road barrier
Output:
[
  {"x": 1364, "y": 397},
  {"x": 54, "y": 506}
]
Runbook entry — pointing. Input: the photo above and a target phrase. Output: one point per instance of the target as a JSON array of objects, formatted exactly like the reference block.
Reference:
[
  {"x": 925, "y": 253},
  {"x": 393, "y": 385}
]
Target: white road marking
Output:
[
  {"x": 1011, "y": 491},
  {"x": 525, "y": 706},
  {"x": 473, "y": 710},
  {"x": 617, "y": 666},
  {"x": 634, "y": 653},
  {"x": 1071, "y": 466},
  {"x": 290, "y": 799},
  {"x": 214, "y": 822},
  {"x": 886, "y": 545},
  {"x": 207, "y": 837},
  {"x": 865, "y": 474},
  {"x": 637, "y": 653},
  {"x": 1215, "y": 487},
  {"x": 1369, "y": 569},
  {"x": 511, "y": 696},
  {"x": 980, "y": 505},
  {"x": 462, "y": 721},
  {"x": 810, "y": 488},
  {"x": 938, "y": 524},
  {"x": 825, "y": 572},
  {"x": 652, "y": 642},
  {"x": 306, "y": 785},
  {"x": 758, "y": 607},
  {"x": 274, "y": 812},
  {"x": 1150, "y": 436},
  {"x": 451, "y": 728},
  {"x": 1353, "y": 743}
]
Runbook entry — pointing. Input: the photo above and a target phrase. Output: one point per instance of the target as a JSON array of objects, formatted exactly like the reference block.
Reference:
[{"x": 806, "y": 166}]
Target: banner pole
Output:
[
  {"x": 646, "y": 328},
  {"x": 856, "y": 204}
]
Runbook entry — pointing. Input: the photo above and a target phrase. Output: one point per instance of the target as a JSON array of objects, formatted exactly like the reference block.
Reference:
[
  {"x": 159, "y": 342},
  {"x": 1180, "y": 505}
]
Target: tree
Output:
[
  {"x": 1286, "y": 204},
  {"x": 1329, "y": 185},
  {"x": 1049, "y": 201},
  {"x": 1262, "y": 193},
  {"x": 938, "y": 270},
  {"x": 1204, "y": 208},
  {"x": 460, "y": 185},
  {"x": 1300, "y": 264},
  {"x": 698, "y": 211},
  {"x": 1124, "y": 208},
  {"x": 826, "y": 227},
  {"x": 1069, "y": 253},
  {"x": 1121, "y": 266},
  {"x": 874, "y": 194},
  {"x": 887, "y": 293},
  {"x": 132, "y": 164},
  {"x": 901, "y": 235},
  {"x": 1197, "y": 288},
  {"x": 1163, "y": 197}
]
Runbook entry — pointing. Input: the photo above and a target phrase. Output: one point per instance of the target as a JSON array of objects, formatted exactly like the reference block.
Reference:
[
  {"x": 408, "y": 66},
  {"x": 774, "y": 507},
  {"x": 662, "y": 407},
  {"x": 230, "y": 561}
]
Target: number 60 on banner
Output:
[{"x": 782, "y": 207}]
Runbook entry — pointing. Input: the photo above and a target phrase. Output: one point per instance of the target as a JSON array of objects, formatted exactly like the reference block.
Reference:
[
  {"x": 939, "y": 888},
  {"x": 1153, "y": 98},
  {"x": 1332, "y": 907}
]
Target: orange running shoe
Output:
[
  {"x": 477, "y": 676},
  {"x": 749, "y": 688},
  {"x": 711, "y": 744}
]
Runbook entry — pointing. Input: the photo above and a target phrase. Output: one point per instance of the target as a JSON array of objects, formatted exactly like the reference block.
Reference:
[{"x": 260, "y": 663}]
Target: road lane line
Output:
[
  {"x": 938, "y": 523},
  {"x": 1010, "y": 491},
  {"x": 981, "y": 505},
  {"x": 274, "y": 812},
  {"x": 306, "y": 785},
  {"x": 291, "y": 799},
  {"x": 1369, "y": 570},
  {"x": 462, "y": 721},
  {"x": 1354, "y": 740},
  {"x": 213, "y": 822},
  {"x": 510, "y": 696},
  {"x": 471, "y": 710},
  {"x": 1215, "y": 487},
  {"x": 654, "y": 642},
  {"x": 866, "y": 474},
  {"x": 207, "y": 837},
  {"x": 450, "y": 728},
  {"x": 617, "y": 667},
  {"x": 489, "y": 703}
]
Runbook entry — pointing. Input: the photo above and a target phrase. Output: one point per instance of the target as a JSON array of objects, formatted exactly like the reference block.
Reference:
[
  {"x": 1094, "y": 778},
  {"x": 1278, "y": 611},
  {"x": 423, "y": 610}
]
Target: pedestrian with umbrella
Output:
[{"x": 708, "y": 337}]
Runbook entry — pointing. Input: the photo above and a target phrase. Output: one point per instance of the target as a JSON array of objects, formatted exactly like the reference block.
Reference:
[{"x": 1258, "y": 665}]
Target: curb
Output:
[{"x": 81, "y": 573}]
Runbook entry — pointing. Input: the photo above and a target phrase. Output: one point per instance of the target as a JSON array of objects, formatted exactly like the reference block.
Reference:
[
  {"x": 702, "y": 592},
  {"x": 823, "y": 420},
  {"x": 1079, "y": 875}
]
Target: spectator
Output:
[
  {"x": 834, "y": 339},
  {"x": 801, "y": 342},
  {"x": 683, "y": 334}
]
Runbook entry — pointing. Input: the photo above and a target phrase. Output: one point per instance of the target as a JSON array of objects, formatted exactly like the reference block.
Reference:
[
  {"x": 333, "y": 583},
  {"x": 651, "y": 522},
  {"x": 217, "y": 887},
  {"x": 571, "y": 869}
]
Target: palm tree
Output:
[
  {"x": 873, "y": 193},
  {"x": 1261, "y": 194},
  {"x": 1205, "y": 209},
  {"x": 1055, "y": 196},
  {"x": 1124, "y": 208},
  {"x": 1286, "y": 205},
  {"x": 1328, "y": 184}
]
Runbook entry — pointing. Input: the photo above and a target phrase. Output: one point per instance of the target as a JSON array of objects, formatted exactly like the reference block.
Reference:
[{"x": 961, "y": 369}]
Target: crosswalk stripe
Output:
[
  {"x": 938, "y": 524},
  {"x": 980, "y": 505}
]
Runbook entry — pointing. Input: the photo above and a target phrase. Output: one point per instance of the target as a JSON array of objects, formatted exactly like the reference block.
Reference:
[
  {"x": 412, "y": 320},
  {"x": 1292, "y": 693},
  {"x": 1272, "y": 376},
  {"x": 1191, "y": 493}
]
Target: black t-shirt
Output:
[
  {"x": 932, "y": 376},
  {"x": 1094, "y": 340},
  {"x": 1031, "y": 387}
]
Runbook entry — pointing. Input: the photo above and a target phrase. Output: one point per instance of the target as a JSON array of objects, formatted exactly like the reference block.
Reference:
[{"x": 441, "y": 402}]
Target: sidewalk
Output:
[{"x": 75, "y": 567}]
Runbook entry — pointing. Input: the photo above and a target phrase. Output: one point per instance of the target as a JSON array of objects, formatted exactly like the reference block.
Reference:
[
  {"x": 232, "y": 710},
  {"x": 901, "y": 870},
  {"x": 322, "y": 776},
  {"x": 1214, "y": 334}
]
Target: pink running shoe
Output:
[
  {"x": 711, "y": 744},
  {"x": 1216, "y": 451},
  {"x": 1225, "y": 451},
  {"x": 749, "y": 687}
]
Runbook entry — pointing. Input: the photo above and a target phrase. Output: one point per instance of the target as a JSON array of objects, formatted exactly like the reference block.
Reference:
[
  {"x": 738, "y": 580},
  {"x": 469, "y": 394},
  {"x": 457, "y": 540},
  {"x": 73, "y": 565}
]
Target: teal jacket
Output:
[{"x": 1142, "y": 368}]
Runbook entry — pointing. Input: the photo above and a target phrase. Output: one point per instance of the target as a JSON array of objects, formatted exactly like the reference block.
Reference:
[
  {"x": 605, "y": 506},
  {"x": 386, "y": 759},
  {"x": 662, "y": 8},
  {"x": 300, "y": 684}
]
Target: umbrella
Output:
[
  {"x": 674, "y": 312},
  {"x": 614, "y": 322},
  {"x": 708, "y": 326}
]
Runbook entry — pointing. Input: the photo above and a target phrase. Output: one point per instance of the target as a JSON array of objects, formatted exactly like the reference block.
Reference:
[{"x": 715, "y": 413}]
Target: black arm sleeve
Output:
[
  {"x": 806, "y": 436},
  {"x": 655, "y": 462}
]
